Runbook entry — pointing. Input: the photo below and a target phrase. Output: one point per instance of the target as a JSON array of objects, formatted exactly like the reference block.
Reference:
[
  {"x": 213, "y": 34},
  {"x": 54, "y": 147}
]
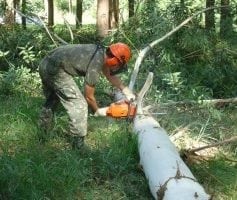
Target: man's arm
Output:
[
  {"x": 90, "y": 97},
  {"x": 114, "y": 80}
]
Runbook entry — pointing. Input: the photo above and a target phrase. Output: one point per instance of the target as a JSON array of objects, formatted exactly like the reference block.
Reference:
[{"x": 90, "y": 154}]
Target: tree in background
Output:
[
  {"x": 78, "y": 13},
  {"x": 23, "y": 10},
  {"x": 50, "y": 13},
  {"x": 226, "y": 19},
  {"x": 102, "y": 17},
  {"x": 113, "y": 13},
  {"x": 131, "y": 5},
  {"x": 9, "y": 16},
  {"x": 210, "y": 15}
]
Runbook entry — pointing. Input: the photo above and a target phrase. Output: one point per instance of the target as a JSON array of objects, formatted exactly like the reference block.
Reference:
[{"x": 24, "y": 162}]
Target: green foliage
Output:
[
  {"x": 26, "y": 47},
  {"x": 19, "y": 80},
  {"x": 32, "y": 170},
  {"x": 205, "y": 63}
]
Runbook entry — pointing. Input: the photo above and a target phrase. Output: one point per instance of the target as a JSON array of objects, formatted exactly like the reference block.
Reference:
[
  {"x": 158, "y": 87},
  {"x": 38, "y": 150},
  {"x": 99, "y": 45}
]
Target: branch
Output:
[
  {"x": 143, "y": 92},
  {"x": 45, "y": 27},
  {"x": 69, "y": 28},
  {"x": 48, "y": 32},
  {"x": 144, "y": 51},
  {"x": 230, "y": 140},
  {"x": 208, "y": 101}
]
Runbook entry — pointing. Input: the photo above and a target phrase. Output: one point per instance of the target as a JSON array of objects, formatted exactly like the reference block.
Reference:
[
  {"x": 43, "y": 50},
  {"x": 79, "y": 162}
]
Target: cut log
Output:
[{"x": 168, "y": 176}]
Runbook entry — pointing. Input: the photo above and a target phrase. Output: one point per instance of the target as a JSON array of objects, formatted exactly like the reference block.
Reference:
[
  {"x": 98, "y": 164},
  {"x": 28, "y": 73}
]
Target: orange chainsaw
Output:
[{"x": 122, "y": 110}]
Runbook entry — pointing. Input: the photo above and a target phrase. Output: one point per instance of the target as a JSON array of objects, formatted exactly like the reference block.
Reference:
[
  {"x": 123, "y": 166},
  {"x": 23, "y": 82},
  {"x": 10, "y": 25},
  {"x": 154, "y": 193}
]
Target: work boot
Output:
[
  {"x": 45, "y": 123},
  {"x": 78, "y": 142},
  {"x": 45, "y": 119}
]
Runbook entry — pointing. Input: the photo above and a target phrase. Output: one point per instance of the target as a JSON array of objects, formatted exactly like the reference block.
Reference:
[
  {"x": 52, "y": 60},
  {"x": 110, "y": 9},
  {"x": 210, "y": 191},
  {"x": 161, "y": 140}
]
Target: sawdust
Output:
[{"x": 184, "y": 141}]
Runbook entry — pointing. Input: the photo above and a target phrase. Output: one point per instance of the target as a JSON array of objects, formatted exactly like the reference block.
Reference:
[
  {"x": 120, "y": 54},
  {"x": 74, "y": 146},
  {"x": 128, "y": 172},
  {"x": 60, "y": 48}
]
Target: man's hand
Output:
[
  {"x": 101, "y": 112},
  {"x": 128, "y": 94}
]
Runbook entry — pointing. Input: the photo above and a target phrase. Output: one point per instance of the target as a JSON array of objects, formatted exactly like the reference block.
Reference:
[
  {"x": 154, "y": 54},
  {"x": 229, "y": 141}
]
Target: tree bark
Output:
[
  {"x": 50, "y": 13},
  {"x": 9, "y": 17},
  {"x": 168, "y": 176},
  {"x": 23, "y": 10},
  {"x": 79, "y": 13},
  {"x": 102, "y": 17},
  {"x": 225, "y": 21},
  {"x": 131, "y": 6},
  {"x": 210, "y": 15},
  {"x": 113, "y": 13}
]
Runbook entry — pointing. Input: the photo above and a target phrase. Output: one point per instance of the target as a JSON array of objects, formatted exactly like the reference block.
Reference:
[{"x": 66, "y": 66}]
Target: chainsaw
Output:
[{"x": 122, "y": 110}]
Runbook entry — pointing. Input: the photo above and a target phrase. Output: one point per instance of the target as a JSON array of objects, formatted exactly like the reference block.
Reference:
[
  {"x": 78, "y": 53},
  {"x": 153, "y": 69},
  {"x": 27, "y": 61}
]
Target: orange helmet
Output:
[{"x": 121, "y": 51}]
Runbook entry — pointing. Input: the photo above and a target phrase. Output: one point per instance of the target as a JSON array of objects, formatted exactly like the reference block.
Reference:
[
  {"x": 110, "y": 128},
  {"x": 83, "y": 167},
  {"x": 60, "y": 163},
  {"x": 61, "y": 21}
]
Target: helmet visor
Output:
[{"x": 122, "y": 68}]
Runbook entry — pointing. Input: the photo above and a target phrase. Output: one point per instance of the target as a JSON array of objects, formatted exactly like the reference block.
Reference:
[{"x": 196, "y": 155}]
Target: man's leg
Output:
[
  {"x": 46, "y": 115},
  {"x": 75, "y": 104},
  {"x": 47, "y": 111}
]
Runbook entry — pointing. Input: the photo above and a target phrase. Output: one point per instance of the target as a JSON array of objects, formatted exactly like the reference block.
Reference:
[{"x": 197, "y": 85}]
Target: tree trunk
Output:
[
  {"x": 50, "y": 13},
  {"x": 226, "y": 21},
  {"x": 9, "y": 17},
  {"x": 70, "y": 6},
  {"x": 168, "y": 176},
  {"x": 79, "y": 13},
  {"x": 102, "y": 17},
  {"x": 210, "y": 15},
  {"x": 131, "y": 5},
  {"x": 23, "y": 10},
  {"x": 113, "y": 13}
]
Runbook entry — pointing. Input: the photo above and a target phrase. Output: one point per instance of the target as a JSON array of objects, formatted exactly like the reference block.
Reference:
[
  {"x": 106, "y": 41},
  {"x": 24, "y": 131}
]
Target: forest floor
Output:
[{"x": 108, "y": 167}]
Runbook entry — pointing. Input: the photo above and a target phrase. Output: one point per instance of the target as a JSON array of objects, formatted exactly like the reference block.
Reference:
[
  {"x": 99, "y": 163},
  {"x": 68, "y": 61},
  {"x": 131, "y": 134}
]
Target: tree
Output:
[
  {"x": 113, "y": 13},
  {"x": 23, "y": 10},
  {"x": 9, "y": 17},
  {"x": 70, "y": 6},
  {"x": 50, "y": 13},
  {"x": 131, "y": 4},
  {"x": 102, "y": 20},
  {"x": 226, "y": 21},
  {"x": 79, "y": 13},
  {"x": 210, "y": 15}
]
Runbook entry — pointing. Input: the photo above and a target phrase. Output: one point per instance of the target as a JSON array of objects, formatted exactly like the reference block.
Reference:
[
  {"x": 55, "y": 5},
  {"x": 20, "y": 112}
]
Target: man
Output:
[{"x": 59, "y": 67}]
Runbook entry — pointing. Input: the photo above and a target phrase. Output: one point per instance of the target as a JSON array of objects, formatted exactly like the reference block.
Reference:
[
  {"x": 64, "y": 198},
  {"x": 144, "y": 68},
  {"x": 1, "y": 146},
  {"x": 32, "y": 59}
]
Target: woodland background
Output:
[{"x": 196, "y": 63}]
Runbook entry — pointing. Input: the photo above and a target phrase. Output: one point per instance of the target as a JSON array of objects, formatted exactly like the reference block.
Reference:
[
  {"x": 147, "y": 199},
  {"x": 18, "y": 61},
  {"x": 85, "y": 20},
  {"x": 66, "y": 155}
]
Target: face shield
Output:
[{"x": 120, "y": 69}]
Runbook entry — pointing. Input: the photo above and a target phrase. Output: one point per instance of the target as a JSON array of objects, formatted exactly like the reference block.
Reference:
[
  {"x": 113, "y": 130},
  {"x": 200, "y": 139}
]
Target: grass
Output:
[
  {"x": 108, "y": 167},
  {"x": 52, "y": 170}
]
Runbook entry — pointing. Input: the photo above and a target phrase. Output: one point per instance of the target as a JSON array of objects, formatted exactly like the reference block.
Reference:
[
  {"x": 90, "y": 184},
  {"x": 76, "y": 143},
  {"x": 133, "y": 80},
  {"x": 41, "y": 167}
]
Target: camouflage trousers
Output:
[{"x": 59, "y": 86}]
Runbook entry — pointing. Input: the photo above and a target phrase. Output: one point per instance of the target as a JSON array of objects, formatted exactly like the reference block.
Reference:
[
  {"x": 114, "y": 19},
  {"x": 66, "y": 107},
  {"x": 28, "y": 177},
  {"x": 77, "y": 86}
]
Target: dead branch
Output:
[
  {"x": 45, "y": 27},
  {"x": 230, "y": 140},
  {"x": 208, "y": 101},
  {"x": 69, "y": 28},
  {"x": 142, "y": 93}
]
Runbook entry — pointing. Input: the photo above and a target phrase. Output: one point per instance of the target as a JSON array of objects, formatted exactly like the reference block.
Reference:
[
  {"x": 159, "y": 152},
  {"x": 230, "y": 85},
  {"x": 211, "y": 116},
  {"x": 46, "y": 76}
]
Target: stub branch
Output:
[{"x": 142, "y": 93}]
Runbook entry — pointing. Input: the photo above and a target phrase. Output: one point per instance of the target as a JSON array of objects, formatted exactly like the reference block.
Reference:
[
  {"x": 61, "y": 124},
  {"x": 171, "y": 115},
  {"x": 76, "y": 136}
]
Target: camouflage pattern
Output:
[{"x": 57, "y": 71}]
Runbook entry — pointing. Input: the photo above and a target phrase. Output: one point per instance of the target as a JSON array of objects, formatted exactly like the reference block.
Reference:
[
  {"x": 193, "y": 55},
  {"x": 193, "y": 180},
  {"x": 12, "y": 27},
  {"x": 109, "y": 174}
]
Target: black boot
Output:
[{"x": 45, "y": 123}]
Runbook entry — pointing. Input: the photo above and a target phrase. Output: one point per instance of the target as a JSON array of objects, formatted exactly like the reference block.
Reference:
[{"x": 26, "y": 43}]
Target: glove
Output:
[
  {"x": 128, "y": 94},
  {"x": 101, "y": 112}
]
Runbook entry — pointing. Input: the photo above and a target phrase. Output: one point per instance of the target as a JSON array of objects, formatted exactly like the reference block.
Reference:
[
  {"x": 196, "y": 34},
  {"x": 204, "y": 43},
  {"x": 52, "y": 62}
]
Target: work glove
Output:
[
  {"x": 101, "y": 112},
  {"x": 128, "y": 94}
]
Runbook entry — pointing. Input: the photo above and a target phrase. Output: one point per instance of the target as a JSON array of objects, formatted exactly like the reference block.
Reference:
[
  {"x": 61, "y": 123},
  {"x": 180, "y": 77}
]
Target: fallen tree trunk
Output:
[{"x": 168, "y": 176}]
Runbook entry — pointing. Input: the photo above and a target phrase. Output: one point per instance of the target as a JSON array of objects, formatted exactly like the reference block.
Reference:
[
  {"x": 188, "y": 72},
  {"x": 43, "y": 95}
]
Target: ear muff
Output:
[{"x": 111, "y": 61}]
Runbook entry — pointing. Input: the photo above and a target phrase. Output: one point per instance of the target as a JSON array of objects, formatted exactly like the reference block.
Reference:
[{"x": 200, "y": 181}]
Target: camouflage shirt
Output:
[{"x": 78, "y": 59}]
